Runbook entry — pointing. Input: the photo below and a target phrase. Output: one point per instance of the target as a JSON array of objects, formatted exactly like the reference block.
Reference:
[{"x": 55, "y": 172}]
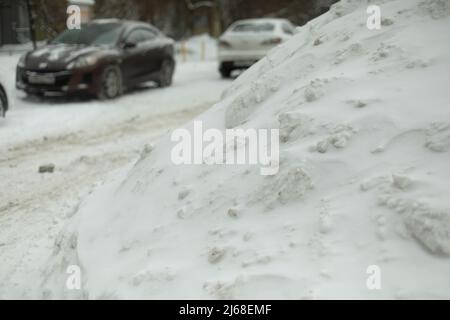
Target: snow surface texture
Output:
[{"x": 364, "y": 178}]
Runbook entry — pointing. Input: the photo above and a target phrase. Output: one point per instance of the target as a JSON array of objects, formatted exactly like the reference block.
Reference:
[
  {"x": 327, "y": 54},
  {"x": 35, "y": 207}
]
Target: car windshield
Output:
[
  {"x": 254, "y": 27},
  {"x": 91, "y": 34}
]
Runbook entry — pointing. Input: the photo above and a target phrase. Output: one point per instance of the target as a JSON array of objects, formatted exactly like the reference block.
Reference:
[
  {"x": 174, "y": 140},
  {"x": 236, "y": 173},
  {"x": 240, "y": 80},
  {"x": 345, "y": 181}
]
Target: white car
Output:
[{"x": 247, "y": 41}]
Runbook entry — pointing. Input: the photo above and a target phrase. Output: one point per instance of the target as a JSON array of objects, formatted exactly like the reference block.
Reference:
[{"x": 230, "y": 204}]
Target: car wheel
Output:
[
  {"x": 3, "y": 103},
  {"x": 166, "y": 73},
  {"x": 111, "y": 83},
  {"x": 225, "y": 71}
]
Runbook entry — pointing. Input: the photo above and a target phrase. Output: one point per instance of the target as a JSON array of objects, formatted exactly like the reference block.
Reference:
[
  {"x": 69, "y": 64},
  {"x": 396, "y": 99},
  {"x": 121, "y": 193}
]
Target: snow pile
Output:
[{"x": 364, "y": 123}]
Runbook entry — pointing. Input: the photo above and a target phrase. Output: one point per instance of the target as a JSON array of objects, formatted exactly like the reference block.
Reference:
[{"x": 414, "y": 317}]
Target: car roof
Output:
[
  {"x": 126, "y": 24},
  {"x": 104, "y": 21},
  {"x": 262, "y": 20}
]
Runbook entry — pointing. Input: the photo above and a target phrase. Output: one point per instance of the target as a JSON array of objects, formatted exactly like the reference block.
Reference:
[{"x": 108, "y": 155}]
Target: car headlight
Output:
[
  {"x": 22, "y": 61},
  {"x": 85, "y": 61}
]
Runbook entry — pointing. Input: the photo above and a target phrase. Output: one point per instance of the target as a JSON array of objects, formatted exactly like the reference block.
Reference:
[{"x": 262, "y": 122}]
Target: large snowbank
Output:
[{"x": 364, "y": 178}]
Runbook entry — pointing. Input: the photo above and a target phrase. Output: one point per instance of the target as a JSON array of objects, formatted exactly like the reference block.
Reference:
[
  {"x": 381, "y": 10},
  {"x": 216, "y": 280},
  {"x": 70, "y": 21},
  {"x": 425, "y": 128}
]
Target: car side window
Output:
[
  {"x": 148, "y": 34},
  {"x": 288, "y": 29},
  {"x": 135, "y": 37}
]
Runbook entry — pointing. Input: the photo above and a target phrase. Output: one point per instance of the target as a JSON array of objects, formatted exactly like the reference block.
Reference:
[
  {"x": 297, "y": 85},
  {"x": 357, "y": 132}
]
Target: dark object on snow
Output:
[
  {"x": 48, "y": 168},
  {"x": 3, "y": 101},
  {"x": 103, "y": 58}
]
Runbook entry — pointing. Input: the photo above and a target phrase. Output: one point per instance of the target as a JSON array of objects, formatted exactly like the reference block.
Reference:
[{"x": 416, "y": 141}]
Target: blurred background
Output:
[{"x": 177, "y": 18}]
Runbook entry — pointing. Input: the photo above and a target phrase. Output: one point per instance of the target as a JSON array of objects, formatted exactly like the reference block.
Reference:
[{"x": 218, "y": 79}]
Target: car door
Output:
[
  {"x": 133, "y": 55},
  {"x": 153, "y": 51}
]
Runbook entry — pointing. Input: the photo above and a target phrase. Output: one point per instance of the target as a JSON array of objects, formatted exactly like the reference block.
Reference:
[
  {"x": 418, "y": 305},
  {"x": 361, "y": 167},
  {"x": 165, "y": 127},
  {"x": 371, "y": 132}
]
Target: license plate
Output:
[{"x": 41, "y": 78}]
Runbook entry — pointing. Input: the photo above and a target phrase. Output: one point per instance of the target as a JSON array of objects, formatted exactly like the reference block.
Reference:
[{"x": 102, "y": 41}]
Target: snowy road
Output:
[{"x": 85, "y": 141}]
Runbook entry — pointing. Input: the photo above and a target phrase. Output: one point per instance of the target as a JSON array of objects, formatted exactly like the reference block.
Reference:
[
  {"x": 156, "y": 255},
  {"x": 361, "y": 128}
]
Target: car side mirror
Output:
[{"x": 129, "y": 45}]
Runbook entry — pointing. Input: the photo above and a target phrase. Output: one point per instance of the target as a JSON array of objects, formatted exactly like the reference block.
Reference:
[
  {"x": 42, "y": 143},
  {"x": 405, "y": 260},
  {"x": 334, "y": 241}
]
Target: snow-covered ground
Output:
[
  {"x": 364, "y": 176},
  {"x": 86, "y": 141}
]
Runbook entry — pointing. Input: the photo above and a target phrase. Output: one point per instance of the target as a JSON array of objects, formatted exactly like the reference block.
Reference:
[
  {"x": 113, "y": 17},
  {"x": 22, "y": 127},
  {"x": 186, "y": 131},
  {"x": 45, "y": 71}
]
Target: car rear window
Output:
[{"x": 253, "y": 27}]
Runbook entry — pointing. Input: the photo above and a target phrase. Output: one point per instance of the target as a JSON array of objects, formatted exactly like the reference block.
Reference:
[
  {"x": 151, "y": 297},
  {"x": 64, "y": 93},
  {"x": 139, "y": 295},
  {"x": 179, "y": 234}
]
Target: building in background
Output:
[
  {"x": 14, "y": 26},
  {"x": 87, "y": 9}
]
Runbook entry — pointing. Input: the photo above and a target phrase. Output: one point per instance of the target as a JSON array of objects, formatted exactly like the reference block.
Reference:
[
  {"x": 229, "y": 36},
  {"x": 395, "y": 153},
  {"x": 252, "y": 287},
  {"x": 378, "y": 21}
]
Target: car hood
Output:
[{"x": 57, "y": 57}]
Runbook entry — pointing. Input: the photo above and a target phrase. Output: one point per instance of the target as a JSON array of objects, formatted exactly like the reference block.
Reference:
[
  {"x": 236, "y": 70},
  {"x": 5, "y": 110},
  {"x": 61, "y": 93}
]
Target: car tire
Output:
[
  {"x": 111, "y": 83},
  {"x": 3, "y": 102},
  {"x": 166, "y": 73},
  {"x": 225, "y": 70}
]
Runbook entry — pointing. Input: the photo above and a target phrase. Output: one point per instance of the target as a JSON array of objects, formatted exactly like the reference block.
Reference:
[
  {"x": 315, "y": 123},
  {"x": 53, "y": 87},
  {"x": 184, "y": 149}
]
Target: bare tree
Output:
[{"x": 180, "y": 18}]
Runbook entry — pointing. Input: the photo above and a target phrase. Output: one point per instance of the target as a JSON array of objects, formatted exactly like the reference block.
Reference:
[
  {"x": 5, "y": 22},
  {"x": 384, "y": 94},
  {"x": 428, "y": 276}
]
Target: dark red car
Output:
[{"x": 103, "y": 58}]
